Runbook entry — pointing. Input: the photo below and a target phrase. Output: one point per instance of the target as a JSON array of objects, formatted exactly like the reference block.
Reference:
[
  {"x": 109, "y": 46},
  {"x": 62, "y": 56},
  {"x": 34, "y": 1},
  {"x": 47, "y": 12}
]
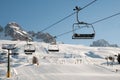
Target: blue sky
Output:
[{"x": 36, "y": 15}]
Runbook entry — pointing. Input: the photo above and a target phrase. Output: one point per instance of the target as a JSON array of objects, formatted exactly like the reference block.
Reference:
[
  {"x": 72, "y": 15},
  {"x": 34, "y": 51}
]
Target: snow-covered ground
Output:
[{"x": 72, "y": 62}]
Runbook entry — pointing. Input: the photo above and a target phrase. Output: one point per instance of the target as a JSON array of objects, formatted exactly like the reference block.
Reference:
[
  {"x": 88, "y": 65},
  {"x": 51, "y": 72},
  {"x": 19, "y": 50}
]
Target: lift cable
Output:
[
  {"x": 58, "y": 22},
  {"x": 67, "y": 16},
  {"x": 106, "y": 18},
  {"x": 88, "y": 4},
  {"x": 91, "y": 23}
]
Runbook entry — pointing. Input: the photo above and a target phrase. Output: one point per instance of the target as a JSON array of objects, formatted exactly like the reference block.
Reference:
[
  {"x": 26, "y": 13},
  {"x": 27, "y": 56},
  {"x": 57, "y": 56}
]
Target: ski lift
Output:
[
  {"x": 53, "y": 47},
  {"x": 86, "y": 35},
  {"x": 29, "y": 49},
  {"x": 80, "y": 26}
]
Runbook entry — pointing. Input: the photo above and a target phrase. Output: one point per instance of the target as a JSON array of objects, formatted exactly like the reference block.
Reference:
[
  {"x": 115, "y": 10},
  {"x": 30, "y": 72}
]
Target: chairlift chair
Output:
[
  {"x": 80, "y": 26},
  {"x": 53, "y": 48},
  {"x": 29, "y": 49}
]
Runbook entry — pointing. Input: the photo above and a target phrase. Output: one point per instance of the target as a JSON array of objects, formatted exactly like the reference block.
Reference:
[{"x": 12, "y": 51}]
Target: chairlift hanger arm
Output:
[{"x": 77, "y": 9}]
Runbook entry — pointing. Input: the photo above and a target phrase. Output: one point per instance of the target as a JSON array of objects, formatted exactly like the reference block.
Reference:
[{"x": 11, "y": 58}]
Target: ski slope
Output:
[{"x": 72, "y": 62}]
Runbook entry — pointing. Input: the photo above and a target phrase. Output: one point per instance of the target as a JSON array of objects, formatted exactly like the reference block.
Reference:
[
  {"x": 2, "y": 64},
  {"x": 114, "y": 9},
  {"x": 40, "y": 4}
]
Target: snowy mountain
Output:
[
  {"x": 72, "y": 62},
  {"x": 14, "y": 31},
  {"x": 102, "y": 43},
  {"x": 40, "y": 36}
]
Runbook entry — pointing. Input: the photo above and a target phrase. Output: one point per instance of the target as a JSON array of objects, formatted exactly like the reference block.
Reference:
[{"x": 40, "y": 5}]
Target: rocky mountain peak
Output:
[
  {"x": 14, "y": 25},
  {"x": 15, "y": 31},
  {"x": 102, "y": 43}
]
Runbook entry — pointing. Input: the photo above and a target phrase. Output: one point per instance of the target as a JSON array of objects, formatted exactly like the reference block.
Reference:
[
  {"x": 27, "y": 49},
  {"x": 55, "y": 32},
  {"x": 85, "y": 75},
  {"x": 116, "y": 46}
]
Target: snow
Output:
[
  {"x": 72, "y": 62},
  {"x": 15, "y": 27}
]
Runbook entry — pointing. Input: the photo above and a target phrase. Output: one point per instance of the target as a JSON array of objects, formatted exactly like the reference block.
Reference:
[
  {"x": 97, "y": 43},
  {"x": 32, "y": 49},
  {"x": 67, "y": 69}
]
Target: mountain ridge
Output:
[
  {"x": 102, "y": 43},
  {"x": 13, "y": 31}
]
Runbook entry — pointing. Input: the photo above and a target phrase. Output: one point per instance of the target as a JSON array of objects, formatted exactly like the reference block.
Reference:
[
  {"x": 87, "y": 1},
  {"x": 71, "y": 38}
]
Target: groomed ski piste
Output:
[{"x": 72, "y": 62}]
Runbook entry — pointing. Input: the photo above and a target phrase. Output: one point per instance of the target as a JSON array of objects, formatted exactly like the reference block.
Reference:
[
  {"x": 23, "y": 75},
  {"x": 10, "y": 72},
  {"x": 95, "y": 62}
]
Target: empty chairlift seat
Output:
[
  {"x": 83, "y": 36},
  {"x": 80, "y": 27},
  {"x": 29, "y": 49},
  {"x": 53, "y": 48}
]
